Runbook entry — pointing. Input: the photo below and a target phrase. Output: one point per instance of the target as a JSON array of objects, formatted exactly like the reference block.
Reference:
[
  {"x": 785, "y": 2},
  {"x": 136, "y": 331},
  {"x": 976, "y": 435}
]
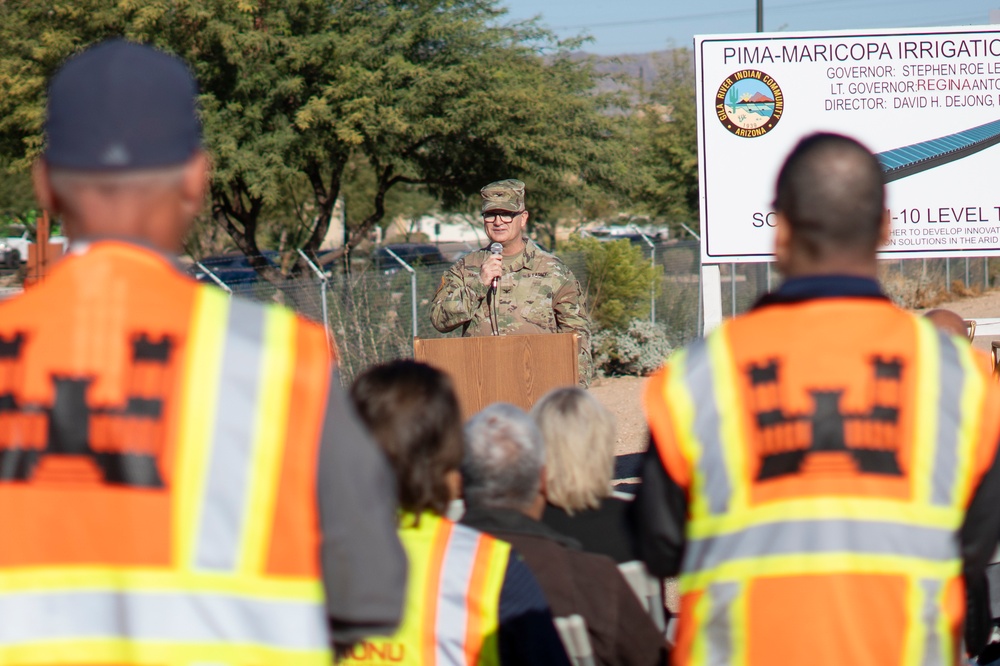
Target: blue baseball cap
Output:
[{"x": 121, "y": 106}]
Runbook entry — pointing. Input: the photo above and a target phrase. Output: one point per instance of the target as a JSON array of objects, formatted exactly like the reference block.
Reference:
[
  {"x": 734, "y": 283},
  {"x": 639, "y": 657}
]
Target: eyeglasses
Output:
[{"x": 504, "y": 216}]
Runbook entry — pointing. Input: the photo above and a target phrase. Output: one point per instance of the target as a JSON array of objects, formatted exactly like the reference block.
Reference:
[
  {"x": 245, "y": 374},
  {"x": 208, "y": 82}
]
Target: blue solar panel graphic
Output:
[{"x": 908, "y": 160}]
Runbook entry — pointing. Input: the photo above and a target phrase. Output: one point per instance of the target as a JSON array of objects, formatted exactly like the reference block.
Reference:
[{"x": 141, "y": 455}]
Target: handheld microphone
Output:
[{"x": 495, "y": 249}]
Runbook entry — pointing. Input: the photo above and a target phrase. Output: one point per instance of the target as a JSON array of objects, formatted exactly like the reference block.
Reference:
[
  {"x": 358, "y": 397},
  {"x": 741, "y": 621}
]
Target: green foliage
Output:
[
  {"x": 619, "y": 280},
  {"x": 435, "y": 94},
  {"x": 667, "y": 143},
  {"x": 638, "y": 350},
  {"x": 17, "y": 201},
  {"x": 358, "y": 193}
]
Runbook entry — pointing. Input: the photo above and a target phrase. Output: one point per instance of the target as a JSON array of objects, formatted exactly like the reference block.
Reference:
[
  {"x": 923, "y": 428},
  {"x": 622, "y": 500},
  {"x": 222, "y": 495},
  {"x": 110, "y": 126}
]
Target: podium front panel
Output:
[{"x": 518, "y": 369}]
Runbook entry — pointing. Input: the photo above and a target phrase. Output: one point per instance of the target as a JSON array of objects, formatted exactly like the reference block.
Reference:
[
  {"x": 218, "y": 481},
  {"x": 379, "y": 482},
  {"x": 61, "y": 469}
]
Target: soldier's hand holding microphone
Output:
[{"x": 489, "y": 272}]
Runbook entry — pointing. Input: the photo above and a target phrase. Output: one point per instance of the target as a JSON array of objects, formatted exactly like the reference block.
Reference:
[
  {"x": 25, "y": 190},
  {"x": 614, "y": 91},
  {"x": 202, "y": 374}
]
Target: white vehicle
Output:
[{"x": 21, "y": 243}]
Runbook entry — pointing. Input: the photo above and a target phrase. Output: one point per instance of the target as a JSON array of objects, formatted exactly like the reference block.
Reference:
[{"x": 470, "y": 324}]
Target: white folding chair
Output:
[
  {"x": 648, "y": 589},
  {"x": 455, "y": 510},
  {"x": 573, "y": 632}
]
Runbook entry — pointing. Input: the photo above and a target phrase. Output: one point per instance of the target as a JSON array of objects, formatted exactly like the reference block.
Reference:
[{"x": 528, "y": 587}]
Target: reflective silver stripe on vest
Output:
[
  {"x": 143, "y": 616},
  {"x": 931, "y": 614},
  {"x": 822, "y": 536},
  {"x": 952, "y": 380},
  {"x": 231, "y": 457},
  {"x": 719, "y": 624},
  {"x": 453, "y": 603},
  {"x": 700, "y": 382}
]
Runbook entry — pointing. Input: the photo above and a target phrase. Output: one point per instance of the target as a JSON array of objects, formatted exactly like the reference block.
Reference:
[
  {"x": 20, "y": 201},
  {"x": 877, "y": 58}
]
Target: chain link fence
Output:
[
  {"x": 373, "y": 313},
  {"x": 911, "y": 283}
]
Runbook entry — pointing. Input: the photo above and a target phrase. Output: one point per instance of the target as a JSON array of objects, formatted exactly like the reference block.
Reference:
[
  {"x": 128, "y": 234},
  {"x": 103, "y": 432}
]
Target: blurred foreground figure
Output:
[
  {"x": 182, "y": 479},
  {"x": 948, "y": 321},
  {"x": 470, "y": 600},
  {"x": 823, "y": 469}
]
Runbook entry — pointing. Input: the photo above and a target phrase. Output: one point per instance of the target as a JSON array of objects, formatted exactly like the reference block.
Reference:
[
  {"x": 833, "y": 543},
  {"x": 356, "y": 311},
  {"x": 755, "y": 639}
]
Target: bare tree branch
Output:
[{"x": 326, "y": 199}]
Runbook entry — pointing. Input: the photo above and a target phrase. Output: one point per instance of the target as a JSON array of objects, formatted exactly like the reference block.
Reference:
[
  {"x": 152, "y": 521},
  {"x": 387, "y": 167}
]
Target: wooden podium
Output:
[{"x": 518, "y": 369}]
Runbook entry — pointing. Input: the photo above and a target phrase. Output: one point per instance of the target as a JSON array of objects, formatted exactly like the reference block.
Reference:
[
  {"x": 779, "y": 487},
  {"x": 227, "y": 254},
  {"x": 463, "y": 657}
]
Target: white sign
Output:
[{"x": 927, "y": 102}]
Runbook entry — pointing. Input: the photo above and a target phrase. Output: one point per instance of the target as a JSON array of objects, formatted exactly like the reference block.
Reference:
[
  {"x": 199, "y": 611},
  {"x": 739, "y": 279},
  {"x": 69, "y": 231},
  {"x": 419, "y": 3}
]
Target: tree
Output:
[
  {"x": 17, "y": 201},
  {"x": 433, "y": 93},
  {"x": 666, "y": 139},
  {"x": 618, "y": 280}
]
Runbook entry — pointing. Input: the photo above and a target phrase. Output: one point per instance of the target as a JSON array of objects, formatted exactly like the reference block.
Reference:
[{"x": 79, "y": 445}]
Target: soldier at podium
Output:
[{"x": 515, "y": 289}]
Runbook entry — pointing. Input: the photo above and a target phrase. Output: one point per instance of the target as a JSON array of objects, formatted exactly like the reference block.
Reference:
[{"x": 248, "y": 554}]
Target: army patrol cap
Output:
[{"x": 503, "y": 195}]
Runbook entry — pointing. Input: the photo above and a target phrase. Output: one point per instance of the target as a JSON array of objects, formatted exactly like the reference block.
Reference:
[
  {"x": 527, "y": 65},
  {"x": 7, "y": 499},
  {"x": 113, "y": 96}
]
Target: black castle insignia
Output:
[
  {"x": 870, "y": 438},
  {"x": 68, "y": 426}
]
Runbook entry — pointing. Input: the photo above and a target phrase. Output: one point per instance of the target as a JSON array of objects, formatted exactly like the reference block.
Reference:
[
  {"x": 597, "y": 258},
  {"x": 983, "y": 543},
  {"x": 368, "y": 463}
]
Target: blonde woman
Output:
[{"x": 579, "y": 463}]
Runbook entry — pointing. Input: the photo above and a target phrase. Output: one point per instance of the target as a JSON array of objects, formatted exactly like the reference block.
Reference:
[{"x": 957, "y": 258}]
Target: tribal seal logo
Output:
[{"x": 749, "y": 103}]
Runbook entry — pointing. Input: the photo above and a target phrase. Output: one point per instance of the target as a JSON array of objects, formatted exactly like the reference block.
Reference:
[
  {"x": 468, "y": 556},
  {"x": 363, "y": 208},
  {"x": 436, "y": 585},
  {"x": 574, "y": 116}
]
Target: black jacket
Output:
[{"x": 605, "y": 530}]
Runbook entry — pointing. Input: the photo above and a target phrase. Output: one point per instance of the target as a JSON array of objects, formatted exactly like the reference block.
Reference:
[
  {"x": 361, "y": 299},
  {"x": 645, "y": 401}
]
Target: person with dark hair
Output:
[
  {"x": 823, "y": 470},
  {"x": 411, "y": 410},
  {"x": 503, "y": 474},
  {"x": 830, "y": 194},
  {"x": 470, "y": 598},
  {"x": 948, "y": 321},
  {"x": 182, "y": 478}
]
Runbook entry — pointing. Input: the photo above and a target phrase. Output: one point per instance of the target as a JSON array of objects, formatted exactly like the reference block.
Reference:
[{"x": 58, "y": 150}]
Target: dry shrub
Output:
[
  {"x": 916, "y": 294},
  {"x": 638, "y": 350},
  {"x": 958, "y": 288},
  {"x": 911, "y": 293}
]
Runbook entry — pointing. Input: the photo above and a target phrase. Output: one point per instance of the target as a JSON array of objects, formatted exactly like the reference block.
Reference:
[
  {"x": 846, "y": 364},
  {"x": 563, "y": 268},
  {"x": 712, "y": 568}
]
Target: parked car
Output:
[
  {"x": 414, "y": 254},
  {"x": 20, "y": 243},
  {"x": 232, "y": 269},
  {"x": 631, "y": 236}
]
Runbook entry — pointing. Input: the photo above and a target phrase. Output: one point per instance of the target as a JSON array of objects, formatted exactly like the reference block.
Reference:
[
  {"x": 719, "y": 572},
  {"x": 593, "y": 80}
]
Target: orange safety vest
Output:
[
  {"x": 158, "y": 446},
  {"x": 451, "y": 616},
  {"x": 829, "y": 451}
]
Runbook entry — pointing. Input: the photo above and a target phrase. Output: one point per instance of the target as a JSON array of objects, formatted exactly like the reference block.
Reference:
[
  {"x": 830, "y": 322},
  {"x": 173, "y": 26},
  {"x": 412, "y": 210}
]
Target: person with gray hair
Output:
[
  {"x": 503, "y": 475},
  {"x": 580, "y": 437},
  {"x": 504, "y": 453}
]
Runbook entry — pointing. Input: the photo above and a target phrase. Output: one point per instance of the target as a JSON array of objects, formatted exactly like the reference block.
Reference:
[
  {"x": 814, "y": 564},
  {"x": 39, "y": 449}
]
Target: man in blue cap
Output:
[{"x": 181, "y": 475}]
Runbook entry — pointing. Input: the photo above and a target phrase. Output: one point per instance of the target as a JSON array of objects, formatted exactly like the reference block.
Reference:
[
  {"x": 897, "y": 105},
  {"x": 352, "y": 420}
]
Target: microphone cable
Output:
[
  {"x": 496, "y": 313},
  {"x": 491, "y": 308},
  {"x": 491, "y": 295}
]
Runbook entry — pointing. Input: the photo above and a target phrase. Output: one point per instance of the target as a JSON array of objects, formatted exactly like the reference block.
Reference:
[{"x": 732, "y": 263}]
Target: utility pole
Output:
[
  {"x": 41, "y": 254},
  {"x": 761, "y": 272}
]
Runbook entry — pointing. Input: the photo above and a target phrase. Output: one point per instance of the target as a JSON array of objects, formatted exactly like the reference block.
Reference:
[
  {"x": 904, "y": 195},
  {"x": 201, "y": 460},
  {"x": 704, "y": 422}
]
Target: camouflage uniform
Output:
[{"x": 537, "y": 294}]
